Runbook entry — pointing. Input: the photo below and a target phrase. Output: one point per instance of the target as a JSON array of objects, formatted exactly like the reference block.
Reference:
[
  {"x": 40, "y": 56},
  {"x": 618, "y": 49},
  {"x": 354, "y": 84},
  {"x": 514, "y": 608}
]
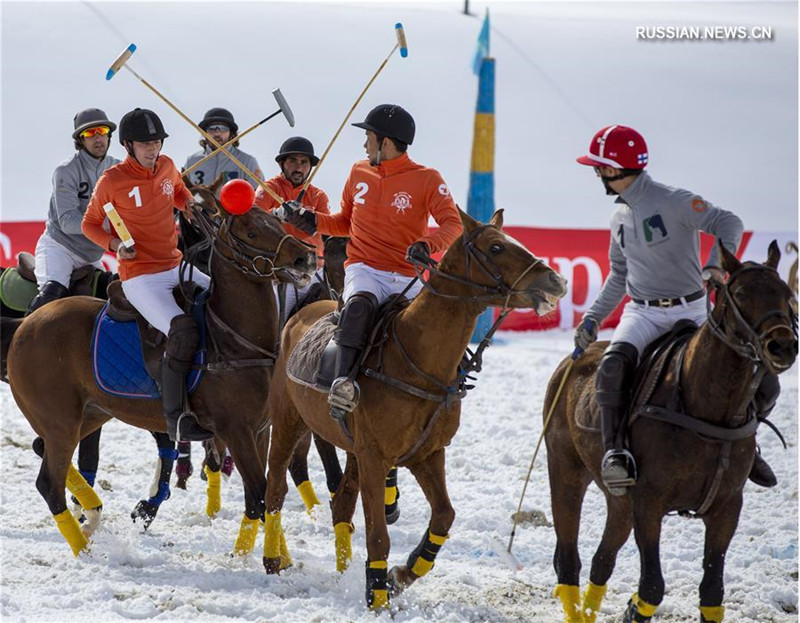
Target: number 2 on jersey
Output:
[
  {"x": 361, "y": 190},
  {"x": 137, "y": 198}
]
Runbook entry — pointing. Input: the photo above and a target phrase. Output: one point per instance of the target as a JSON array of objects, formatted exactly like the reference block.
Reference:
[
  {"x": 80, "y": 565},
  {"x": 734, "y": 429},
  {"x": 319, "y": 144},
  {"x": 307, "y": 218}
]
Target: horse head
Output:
[
  {"x": 490, "y": 267},
  {"x": 753, "y": 312},
  {"x": 257, "y": 245}
]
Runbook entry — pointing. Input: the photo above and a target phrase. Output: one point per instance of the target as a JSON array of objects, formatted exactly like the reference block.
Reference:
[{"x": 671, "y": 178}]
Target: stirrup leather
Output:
[
  {"x": 344, "y": 394},
  {"x": 619, "y": 476}
]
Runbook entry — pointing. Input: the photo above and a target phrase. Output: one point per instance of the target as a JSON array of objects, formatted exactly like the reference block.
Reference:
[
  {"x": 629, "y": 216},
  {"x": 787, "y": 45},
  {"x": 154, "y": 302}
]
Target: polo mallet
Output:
[
  {"x": 506, "y": 554},
  {"x": 401, "y": 43},
  {"x": 121, "y": 61},
  {"x": 283, "y": 107},
  {"x": 119, "y": 225}
]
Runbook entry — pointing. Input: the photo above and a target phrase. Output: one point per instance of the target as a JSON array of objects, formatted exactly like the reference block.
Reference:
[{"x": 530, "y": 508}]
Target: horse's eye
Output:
[
  {"x": 251, "y": 235},
  {"x": 496, "y": 248}
]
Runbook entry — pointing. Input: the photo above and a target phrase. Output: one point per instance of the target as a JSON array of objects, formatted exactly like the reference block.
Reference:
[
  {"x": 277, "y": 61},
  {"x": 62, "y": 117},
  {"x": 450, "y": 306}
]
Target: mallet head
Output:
[
  {"x": 121, "y": 60},
  {"x": 401, "y": 39},
  {"x": 284, "y": 106}
]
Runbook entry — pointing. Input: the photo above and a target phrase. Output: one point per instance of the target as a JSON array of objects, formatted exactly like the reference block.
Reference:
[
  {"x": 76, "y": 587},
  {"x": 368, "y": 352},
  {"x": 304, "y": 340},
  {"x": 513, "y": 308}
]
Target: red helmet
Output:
[{"x": 617, "y": 146}]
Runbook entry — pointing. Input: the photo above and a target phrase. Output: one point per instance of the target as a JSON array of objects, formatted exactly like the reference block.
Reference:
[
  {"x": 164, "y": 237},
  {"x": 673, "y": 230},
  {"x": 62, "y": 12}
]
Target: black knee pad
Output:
[
  {"x": 356, "y": 320},
  {"x": 51, "y": 291},
  {"x": 182, "y": 341},
  {"x": 615, "y": 373},
  {"x": 767, "y": 394}
]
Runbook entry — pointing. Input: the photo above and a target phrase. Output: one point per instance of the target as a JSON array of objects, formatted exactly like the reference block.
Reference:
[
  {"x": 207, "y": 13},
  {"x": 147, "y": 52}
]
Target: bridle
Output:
[
  {"x": 485, "y": 263},
  {"x": 748, "y": 340}
]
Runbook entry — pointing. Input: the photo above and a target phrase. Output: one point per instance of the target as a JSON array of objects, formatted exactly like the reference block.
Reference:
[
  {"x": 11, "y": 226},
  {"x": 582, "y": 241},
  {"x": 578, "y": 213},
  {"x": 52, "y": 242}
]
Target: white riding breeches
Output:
[
  {"x": 362, "y": 278},
  {"x": 152, "y": 295},
  {"x": 641, "y": 324},
  {"x": 54, "y": 262}
]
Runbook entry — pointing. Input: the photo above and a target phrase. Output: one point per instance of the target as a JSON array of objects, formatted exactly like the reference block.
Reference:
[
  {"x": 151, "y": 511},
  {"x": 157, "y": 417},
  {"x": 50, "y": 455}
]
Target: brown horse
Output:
[
  {"x": 409, "y": 421},
  {"x": 693, "y": 460},
  {"x": 56, "y": 391}
]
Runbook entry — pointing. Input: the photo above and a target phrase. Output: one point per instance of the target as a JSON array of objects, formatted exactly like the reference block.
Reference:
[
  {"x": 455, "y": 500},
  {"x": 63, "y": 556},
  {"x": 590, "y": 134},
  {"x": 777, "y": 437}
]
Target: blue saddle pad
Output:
[{"x": 118, "y": 364}]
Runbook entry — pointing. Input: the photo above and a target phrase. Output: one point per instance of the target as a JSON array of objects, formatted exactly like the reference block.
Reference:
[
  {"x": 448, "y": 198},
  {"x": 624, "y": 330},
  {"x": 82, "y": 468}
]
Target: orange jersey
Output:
[
  {"x": 386, "y": 208},
  {"x": 144, "y": 199},
  {"x": 314, "y": 198}
]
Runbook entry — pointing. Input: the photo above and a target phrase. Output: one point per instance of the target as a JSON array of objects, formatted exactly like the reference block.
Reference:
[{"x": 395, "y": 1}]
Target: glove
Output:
[
  {"x": 585, "y": 334},
  {"x": 298, "y": 216},
  {"x": 419, "y": 253}
]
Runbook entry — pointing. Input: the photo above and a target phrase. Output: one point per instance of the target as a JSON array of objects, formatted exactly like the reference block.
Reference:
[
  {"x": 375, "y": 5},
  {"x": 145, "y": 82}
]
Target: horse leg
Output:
[
  {"x": 647, "y": 529},
  {"x": 298, "y": 468},
  {"x": 391, "y": 495},
  {"x": 183, "y": 468},
  {"x": 343, "y": 507},
  {"x": 212, "y": 465},
  {"x": 330, "y": 463},
  {"x": 430, "y": 475},
  {"x": 248, "y": 528},
  {"x": 52, "y": 478},
  {"x": 285, "y": 436},
  {"x": 568, "y": 482},
  {"x": 159, "y": 489},
  {"x": 372, "y": 472},
  {"x": 89, "y": 456},
  {"x": 720, "y": 527},
  {"x": 616, "y": 532}
]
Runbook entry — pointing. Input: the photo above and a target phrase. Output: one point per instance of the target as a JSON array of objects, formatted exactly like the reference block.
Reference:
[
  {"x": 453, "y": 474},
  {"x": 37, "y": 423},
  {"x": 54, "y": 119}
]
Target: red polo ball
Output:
[{"x": 237, "y": 196}]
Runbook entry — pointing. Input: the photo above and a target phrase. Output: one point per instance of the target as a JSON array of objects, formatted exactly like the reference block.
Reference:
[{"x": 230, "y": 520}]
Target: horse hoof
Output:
[
  {"x": 146, "y": 511},
  {"x": 92, "y": 519},
  {"x": 272, "y": 565},
  {"x": 632, "y": 615},
  {"x": 398, "y": 579}
]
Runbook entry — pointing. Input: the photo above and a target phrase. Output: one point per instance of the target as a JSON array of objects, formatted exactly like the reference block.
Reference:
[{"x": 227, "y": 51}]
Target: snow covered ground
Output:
[{"x": 182, "y": 568}]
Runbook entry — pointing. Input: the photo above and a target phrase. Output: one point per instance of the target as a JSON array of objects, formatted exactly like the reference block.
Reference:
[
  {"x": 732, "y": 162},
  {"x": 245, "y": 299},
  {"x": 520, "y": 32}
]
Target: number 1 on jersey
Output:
[{"x": 137, "y": 198}]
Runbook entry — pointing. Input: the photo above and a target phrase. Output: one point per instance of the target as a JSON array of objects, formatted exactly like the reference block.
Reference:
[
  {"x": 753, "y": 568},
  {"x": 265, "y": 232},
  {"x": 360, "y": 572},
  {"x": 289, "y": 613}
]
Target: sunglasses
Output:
[
  {"x": 102, "y": 130},
  {"x": 218, "y": 128}
]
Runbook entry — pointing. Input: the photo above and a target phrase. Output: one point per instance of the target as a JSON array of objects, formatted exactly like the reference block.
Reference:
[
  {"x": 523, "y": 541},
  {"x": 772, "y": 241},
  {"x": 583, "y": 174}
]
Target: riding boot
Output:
[
  {"x": 182, "y": 341},
  {"x": 351, "y": 338},
  {"x": 764, "y": 401},
  {"x": 51, "y": 291},
  {"x": 614, "y": 377}
]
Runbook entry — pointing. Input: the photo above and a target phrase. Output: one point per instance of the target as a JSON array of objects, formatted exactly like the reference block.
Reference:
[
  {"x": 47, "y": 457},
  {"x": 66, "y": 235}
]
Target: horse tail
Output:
[{"x": 8, "y": 327}]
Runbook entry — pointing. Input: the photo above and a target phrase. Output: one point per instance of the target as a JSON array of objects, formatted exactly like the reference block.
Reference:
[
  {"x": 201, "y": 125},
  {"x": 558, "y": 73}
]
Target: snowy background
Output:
[{"x": 720, "y": 118}]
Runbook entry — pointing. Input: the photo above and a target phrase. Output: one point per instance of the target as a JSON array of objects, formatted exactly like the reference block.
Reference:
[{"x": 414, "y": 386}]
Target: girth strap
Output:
[{"x": 704, "y": 429}]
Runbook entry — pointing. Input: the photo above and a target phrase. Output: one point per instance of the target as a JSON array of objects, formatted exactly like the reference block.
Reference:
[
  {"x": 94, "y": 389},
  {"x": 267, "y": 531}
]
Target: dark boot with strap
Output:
[
  {"x": 351, "y": 338},
  {"x": 51, "y": 291},
  {"x": 764, "y": 401},
  {"x": 614, "y": 377},
  {"x": 182, "y": 341}
]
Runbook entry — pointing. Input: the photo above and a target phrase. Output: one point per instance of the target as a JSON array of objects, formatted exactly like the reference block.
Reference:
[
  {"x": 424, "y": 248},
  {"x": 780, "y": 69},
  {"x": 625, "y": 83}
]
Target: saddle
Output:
[
  {"x": 653, "y": 364},
  {"x": 313, "y": 361}
]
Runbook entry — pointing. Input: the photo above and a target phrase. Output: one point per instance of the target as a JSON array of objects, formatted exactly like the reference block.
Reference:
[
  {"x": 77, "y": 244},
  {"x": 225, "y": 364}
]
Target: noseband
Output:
[
  {"x": 487, "y": 266},
  {"x": 751, "y": 345}
]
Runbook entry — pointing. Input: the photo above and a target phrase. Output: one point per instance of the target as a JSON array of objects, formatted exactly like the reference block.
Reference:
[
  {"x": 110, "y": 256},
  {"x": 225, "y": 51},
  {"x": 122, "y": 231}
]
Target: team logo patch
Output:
[
  {"x": 402, "y": 201},
  {"x": 167, "y": 188},
  {"x": 654, "y": 224},
  {"x": 444, "y": 190},
  {"x": 698, "y": 205}
]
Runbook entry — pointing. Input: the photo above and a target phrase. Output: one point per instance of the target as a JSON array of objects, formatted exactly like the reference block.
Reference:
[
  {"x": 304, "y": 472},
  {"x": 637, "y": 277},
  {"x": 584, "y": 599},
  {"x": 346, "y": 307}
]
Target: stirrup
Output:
[
  {"x": 187, "y": 428},
  {"x": 618, "y": 471},
  {"x": 344, "y": 394}
]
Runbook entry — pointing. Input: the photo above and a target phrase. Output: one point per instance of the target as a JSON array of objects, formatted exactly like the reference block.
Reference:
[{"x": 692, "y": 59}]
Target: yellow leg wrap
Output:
[
  {"x": 427, "y": 554},
  {"x": 70, "y": 529},
  {"x": 592, "y": 599},
  {"x": 306, "y": 490},
  {"x": 214, "y": 501},
  {"x": 389, "y": 495},
  {"x": 272, "y": 536},
  {"x": 286, "y": 559},
  {"x": 344, "y": 550},
  {"x": 713, "y": 614},
  {"x": 644, "y": 608},
  {"x": 380, "y": 596},
  {"x": 570, "y": 596},
  {"x": 246, "y": 540},
  {"x": 77, "y": 485}
]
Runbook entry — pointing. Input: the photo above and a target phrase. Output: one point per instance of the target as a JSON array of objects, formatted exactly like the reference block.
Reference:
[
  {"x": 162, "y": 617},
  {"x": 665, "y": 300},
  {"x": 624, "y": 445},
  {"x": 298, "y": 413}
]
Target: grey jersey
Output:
[
  {"x": 73, "y": 183},
  {"x": 219, "y": 164},
  {"x": 655, "y": 246}
]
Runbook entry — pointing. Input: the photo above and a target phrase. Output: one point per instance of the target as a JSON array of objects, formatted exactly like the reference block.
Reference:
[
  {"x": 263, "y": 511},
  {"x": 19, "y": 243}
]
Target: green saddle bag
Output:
[{"x": 15, "y": 292}]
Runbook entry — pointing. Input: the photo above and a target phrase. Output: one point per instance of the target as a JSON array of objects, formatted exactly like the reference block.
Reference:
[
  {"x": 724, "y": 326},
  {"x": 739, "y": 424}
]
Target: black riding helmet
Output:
[
  {"x": 219, "y": 115},
  {"x": 297, "y": 145},
  {"x": 141, "y": 125},
  {"x": 390, "y": 120}
]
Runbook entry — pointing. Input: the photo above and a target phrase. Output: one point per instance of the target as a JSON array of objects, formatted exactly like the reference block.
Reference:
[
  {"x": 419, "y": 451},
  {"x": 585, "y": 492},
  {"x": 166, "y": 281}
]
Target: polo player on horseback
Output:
[
  {"x": 144, "y": 188},
  {"x": 655, "y": 259},
  {"x": 386, "y": 203},
  {"x": 62, "y": 247}
]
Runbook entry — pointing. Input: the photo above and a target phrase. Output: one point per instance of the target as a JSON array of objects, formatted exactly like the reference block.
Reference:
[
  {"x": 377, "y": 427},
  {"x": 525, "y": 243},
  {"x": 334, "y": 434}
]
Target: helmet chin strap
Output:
[{"x": 613, "y": 178}]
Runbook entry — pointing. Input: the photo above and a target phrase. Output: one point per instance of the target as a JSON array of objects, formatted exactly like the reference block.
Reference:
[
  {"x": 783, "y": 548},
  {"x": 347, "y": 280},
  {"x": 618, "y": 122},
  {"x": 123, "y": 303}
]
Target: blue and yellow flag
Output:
[{"x": 482, "y": 50}]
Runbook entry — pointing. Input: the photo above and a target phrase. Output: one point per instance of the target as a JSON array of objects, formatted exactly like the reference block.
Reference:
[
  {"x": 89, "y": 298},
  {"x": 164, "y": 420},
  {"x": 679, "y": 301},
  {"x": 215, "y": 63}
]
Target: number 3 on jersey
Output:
[
  {"x": 361, "y": 190},
  {"x": 137, "y": 198}
]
